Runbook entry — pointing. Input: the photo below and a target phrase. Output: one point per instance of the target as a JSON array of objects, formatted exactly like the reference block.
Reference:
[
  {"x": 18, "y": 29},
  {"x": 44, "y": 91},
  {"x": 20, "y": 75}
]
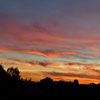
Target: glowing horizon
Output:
[{"x": 55, "y": 38}]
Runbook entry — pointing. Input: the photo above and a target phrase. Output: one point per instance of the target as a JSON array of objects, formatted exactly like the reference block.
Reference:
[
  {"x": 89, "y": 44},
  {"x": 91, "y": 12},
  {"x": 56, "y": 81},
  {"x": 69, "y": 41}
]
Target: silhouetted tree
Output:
[
  {"x": 14, "y": 73},
  {"x": 3, "y": 74},
  {"x": 46, "y": 88}
]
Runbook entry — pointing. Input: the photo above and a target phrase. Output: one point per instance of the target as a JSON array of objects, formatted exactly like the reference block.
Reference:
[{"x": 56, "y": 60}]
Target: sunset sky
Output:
[{"x": 55, "y": 38}]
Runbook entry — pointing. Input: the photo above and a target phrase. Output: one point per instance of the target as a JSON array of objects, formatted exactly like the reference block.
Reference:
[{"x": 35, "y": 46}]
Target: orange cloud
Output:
[
  {"x": 39, "y": 40},
  {"x": 83, "y": 78},
  {"x": 58, "y": 71}
]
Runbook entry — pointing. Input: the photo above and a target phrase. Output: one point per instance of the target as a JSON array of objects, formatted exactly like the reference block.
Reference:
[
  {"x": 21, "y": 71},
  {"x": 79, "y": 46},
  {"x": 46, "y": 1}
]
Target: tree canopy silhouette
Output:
[{"x": 14, "y": 73}]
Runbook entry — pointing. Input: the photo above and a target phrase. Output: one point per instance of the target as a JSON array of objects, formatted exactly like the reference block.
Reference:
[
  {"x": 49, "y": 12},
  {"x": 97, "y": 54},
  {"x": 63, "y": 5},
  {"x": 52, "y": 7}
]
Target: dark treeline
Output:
[{"x": 12, "y": 88}]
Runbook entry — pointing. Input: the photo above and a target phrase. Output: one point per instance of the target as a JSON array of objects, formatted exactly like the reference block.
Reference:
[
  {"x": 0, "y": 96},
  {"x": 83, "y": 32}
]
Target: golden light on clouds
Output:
[
  {"x": 86, "y": 73},
  {"x": 60, "y": 39}
]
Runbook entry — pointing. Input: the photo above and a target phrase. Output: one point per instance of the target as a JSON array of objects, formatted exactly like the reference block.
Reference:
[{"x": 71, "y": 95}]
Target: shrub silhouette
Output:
[
  {"x": 46, "y": 80},
  {"x": 75, "y": 83}
]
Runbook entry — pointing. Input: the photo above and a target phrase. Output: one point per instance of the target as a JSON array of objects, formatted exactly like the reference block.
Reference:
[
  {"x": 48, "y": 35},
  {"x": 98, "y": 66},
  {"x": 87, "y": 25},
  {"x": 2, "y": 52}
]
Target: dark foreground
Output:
[
  {"x": 14, "y": 88},
  {"x": 45, "y": 90}
]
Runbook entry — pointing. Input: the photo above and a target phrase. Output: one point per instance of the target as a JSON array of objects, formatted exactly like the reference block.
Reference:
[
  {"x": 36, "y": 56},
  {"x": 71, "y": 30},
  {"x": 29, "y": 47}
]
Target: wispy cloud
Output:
[{"x": 56, "y": 36}]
